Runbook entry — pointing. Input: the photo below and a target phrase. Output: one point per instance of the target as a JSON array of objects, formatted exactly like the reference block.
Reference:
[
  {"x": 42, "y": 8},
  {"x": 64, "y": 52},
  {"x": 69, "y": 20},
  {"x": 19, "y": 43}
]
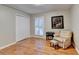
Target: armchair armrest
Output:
[
  {"x": 58, "y": 39},
  {"x": 61, "y": 39}
]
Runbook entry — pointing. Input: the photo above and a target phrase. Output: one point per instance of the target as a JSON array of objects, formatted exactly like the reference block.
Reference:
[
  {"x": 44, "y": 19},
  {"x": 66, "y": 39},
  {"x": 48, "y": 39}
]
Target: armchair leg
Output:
[
  {"x": 50, "y": 44},
  {"x": 64, "y": 48}
]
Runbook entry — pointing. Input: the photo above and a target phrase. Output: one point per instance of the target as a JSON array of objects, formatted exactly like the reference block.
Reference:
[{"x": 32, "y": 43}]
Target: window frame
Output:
[{"x": 39, "y": 26}]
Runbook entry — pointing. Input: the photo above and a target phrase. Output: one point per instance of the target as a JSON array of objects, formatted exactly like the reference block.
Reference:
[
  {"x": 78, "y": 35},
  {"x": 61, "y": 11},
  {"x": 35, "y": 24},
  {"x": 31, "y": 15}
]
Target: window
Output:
[{"x": 39, "y": 26}]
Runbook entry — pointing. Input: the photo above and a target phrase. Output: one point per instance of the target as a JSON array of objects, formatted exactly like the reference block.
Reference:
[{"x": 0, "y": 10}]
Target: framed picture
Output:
[{"x": 57, "y": 22}]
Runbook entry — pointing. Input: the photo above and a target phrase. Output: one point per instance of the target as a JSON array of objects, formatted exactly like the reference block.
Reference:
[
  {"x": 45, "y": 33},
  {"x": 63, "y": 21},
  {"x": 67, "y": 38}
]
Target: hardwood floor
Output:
[{"x": 35, "y": 46}]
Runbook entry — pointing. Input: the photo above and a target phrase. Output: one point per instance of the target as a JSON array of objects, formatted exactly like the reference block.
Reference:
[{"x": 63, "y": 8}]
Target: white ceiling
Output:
[{"x": 33, "y": 9}]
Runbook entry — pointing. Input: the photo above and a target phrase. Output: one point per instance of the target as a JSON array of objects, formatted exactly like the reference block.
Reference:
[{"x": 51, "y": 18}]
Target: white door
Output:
[{"x": 20, "y": 27}]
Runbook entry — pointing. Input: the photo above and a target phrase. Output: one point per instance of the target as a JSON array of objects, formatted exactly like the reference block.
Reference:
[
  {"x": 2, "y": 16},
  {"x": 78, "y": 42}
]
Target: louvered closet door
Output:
[{"x": 20, "y": 27}]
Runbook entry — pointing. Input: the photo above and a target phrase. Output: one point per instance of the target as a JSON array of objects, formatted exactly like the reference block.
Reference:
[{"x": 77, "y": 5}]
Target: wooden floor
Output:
[{"x": 34, "y": 46}]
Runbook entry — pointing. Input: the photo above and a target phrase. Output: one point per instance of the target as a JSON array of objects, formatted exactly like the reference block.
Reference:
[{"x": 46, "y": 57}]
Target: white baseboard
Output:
[
  {"x": 43, "y": 37},
  {"x": 77, "y": 50},
  {"x": 10, "y": 44},
  {"x": 7, "y": 45}
]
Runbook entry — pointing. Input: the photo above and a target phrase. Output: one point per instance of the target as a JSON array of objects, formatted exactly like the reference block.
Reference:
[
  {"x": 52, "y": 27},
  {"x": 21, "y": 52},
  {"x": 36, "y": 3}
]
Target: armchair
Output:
[{"x": 64, "y": 39}]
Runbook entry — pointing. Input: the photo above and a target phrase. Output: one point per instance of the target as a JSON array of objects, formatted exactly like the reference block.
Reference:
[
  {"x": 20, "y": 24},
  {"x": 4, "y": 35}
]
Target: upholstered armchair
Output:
[{"x": 63, "y": 38}]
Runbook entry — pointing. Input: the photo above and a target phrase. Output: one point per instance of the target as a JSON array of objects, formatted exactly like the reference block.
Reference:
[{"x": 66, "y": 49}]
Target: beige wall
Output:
[
  {"x": 8, "y": 25},
  {"x": 75, "y": 24},
  {"x": 47, "y": 22}
]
